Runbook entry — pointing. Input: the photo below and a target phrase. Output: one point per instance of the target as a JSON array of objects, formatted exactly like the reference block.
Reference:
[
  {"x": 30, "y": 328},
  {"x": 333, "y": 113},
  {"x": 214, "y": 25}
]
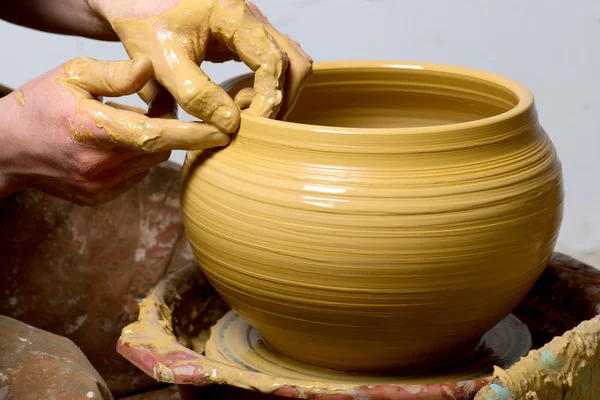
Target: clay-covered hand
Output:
[
  {"x": 178, "y": 35},
  {"x": 58, "y": 136}
]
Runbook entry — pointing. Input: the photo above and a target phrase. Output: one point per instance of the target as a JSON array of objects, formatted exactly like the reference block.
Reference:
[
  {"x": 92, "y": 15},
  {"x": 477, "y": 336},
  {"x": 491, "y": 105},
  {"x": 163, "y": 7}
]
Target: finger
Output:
[
  {"x": 150, "y": 90},
  {"x": 299, "y": 67},
  {"x": 126, "y": 107},
  {"x": 195, "y": 92},
  {"x": 244, "y": 97},
  {"x": 264, "y": 20},
  {"x": 151, "y": 135},
  {"x": 298, "y": 47},
  {"x": 108, "y": 78},
  {"x": 111, "y": 194},
  {"x": 258, "y": 50}
]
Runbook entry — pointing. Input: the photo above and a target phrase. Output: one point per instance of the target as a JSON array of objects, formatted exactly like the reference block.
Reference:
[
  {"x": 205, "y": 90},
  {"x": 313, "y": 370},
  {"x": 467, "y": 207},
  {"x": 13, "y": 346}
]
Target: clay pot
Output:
[{"x": 399, "y": 213}]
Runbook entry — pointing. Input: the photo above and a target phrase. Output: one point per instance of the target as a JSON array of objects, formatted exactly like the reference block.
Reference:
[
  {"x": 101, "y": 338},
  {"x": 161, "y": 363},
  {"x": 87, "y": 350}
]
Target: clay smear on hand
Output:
[
  {"x": 128, "y": 127},
  {"x": 181, "y": 38},
  {"x": 20, "y": 98}
]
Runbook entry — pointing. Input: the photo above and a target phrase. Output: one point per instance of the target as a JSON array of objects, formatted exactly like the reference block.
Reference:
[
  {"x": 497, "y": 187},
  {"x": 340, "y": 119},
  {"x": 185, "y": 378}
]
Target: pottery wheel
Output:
[{"x": 234, "y": 341}]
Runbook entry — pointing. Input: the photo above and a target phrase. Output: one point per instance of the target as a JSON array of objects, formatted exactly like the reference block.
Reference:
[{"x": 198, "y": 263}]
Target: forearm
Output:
[
  {"x": 4, "y": 90},
  {"x": 68, "y": 17}
]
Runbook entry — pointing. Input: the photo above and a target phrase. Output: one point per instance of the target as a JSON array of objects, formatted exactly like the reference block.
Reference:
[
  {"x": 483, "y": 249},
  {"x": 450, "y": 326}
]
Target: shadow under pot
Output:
[{"x": 400, "y": 212}]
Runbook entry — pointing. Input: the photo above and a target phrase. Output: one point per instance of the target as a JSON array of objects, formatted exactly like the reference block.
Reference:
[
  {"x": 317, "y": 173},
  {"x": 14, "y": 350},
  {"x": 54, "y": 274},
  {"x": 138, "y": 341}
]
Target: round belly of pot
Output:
[{"x": 399, "y": 213}]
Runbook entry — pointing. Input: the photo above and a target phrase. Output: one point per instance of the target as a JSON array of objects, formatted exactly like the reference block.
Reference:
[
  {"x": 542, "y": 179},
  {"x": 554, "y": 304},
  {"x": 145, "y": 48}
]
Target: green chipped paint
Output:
[
  {"x": 548, "y": 361},
  {"x": 500, "y": 393}
]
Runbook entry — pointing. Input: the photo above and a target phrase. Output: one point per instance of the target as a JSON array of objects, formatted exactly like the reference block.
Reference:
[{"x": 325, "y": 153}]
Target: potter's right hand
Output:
[
  {"x": 179, "y": 35},
  {"x": 58, "y": 136}
]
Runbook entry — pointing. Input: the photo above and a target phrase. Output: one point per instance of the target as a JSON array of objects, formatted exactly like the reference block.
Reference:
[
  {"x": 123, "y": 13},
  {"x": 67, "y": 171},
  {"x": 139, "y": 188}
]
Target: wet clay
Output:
[
  {"x": 182, "y": 37},
  {"x": 167, "y": 342},
  {"x": 20, "y": 98},
  {"x": 125, "y": 126},
  {"x": 232, "y": 341},
  {"x": 565, "y": 368},
  {"x": 400, "y": 211}
]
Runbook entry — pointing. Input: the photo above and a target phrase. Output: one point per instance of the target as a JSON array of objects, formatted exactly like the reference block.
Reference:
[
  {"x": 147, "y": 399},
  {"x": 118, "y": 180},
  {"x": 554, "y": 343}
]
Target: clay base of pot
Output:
[
  {"x": 369, "y": 358},
  {"x": 367, "y": 348},
  {"x": 352, "y": 355},
  {"x": 234, "y": 341}
]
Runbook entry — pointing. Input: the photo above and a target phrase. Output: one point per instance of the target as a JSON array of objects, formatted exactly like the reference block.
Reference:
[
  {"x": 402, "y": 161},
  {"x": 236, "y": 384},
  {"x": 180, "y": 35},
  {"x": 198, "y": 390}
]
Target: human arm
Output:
[
  {"x": 68, "y": 17},
  {"x": 178, "y": 35},
  {"x": 44, "y": 149}
]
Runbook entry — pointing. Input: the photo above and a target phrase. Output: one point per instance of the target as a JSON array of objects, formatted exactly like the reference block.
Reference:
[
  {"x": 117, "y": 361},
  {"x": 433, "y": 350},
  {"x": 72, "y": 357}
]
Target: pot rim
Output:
[{"x": 524, "y": 106}]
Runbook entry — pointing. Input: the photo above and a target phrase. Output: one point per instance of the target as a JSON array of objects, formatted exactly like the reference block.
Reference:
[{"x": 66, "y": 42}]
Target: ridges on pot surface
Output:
[{"x": 399, "y": 213}]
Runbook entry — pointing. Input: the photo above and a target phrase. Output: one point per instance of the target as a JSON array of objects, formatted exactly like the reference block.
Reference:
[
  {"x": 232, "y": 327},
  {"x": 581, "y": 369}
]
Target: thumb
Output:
[{"x": 108, "y": 78}]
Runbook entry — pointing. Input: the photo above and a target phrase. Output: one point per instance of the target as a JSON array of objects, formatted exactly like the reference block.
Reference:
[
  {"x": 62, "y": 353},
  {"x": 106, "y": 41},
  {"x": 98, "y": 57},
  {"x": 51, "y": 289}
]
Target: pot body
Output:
[{"x": 400, "y": 213}]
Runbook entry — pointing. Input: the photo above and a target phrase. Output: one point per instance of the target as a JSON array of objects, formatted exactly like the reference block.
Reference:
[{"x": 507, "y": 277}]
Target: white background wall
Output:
[{"x": 552, "y": 46}]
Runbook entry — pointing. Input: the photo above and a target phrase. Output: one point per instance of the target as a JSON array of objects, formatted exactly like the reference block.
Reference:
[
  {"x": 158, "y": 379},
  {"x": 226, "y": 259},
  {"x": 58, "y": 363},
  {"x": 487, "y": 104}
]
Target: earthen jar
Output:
[{"x": 400, "y": 212}]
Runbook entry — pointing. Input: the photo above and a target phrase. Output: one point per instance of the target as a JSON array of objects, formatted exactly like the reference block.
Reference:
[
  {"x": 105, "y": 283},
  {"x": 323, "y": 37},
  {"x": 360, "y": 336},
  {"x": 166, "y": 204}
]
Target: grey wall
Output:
[{"x": 552, "y": 46}]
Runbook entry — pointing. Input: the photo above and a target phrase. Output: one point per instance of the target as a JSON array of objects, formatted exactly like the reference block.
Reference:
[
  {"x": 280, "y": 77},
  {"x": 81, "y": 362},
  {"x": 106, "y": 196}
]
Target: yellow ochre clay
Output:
[
  {"x": 180, "y": 38},
  {"x": 20, "y": 98},
  {"x": 166, "y": 50},
  {"x": 400, "y": 212},
  {"x": 128, "y": 127},
  {"x": 562, "y": 369}
]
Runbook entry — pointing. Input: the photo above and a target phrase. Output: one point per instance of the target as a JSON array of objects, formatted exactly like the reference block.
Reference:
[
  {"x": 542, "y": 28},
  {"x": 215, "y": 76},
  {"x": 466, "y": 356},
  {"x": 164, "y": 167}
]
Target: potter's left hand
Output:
[
  {"x": 179, "y": 34},
  {"x": 59, "y": 137}
]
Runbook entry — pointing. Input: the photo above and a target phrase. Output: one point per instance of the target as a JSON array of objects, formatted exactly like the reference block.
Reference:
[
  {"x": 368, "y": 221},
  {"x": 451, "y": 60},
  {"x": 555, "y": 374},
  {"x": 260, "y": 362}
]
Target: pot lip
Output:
[{"x": 525, "y": 97}]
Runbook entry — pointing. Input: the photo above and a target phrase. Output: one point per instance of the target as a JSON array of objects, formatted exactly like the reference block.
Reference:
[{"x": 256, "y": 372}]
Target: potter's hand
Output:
[
  {"x": 179, "y": 35},
  {"x": 59, "y": 137}
]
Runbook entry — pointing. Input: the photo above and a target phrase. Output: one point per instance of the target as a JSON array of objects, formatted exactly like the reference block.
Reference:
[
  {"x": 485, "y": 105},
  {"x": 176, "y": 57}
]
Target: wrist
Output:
[
  {"x": 65, "y": 17},
  {"x": 101, "y": 9},
  {"x": 11, "y": 180},
  {"x": 97, "y": 26},
  {"x": 111, "y": 10}
]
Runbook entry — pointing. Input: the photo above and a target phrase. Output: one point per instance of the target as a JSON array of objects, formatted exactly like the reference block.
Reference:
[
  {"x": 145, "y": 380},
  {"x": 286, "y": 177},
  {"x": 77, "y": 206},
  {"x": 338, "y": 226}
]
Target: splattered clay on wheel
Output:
[{"x": 234, "y": 341}]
